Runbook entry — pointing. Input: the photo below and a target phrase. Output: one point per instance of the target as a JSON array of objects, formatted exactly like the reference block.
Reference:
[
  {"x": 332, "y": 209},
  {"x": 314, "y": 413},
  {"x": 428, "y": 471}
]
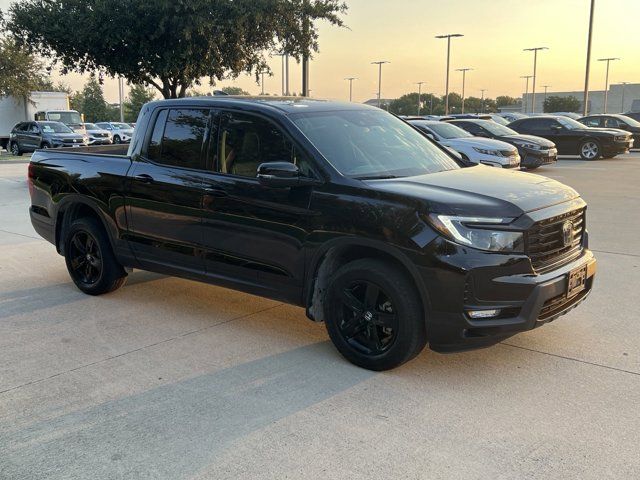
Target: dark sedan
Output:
[
  {"x": 573, "y": 138},
  {"x": 615, "y": 120},
  {"x": 534, "y": 151},
  {"x": 30, "y": 136}
]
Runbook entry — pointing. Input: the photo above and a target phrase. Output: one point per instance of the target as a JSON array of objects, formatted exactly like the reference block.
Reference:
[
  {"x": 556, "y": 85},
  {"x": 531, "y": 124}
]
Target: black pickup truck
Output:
[{"x": 340, "y": 208}]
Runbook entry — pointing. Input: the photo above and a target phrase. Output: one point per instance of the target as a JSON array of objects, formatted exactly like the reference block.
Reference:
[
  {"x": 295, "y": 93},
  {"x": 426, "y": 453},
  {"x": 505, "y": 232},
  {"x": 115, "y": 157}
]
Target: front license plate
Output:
[{"x": 577, "y": 281}]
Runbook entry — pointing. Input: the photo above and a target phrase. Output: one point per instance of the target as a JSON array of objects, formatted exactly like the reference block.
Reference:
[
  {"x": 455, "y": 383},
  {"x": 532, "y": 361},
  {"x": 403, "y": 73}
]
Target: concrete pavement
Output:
[{"x": 172, "y": 379}]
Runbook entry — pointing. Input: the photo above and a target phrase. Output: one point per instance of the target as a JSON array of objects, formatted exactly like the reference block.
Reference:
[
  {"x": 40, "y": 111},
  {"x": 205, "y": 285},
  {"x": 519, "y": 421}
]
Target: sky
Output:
[{"x": 495, "y": 34}]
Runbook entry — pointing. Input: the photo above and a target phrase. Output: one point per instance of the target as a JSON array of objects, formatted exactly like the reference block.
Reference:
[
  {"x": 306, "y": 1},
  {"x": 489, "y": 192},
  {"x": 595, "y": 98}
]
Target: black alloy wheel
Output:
[
  {"x": 85, "y": 258},
  {"x": 15, "y": 149}
]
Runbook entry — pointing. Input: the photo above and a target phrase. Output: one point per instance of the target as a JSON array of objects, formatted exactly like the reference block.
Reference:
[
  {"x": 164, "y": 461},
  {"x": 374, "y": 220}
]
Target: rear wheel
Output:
[
  {"x": 373, "y": 315},
  {"x": 589, "y": 150},
  {"x": 15, "y": 149},
  {"x": 90, "y": 260}
]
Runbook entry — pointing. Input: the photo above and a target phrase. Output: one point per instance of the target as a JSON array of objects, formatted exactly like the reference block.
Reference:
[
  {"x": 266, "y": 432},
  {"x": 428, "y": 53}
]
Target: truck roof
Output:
[{"x": 284, "y": 105}]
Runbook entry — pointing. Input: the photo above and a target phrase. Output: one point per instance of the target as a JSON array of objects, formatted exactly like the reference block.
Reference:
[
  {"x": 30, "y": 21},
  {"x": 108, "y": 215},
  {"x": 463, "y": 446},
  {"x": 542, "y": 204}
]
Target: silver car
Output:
[
  {"x": 120, "y": 131},
  {"x": 97, "y": 135}
]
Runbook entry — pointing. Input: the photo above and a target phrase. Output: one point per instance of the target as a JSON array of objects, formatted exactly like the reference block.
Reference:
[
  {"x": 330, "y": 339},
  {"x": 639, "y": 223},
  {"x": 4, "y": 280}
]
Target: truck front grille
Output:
[{"x": 556, "y": 241}]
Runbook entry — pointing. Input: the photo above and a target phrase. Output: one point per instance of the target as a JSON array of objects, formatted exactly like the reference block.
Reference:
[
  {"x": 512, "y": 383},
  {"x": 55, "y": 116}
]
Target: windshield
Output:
[
  {"x": 121, "y": 126},
  {"x": 448, "y": 130},
  {"x": 91, "y": 126},
  {"x": 497, "y": 129},
  {"x": 368, "y": 144},
  {"x": 569, "y": 123},
  {"x": 54, "y": 127},
  {"x": 70, "y": 118},
  {"x": 628, "y": 120},
  {"x": 499, "y": 119}
]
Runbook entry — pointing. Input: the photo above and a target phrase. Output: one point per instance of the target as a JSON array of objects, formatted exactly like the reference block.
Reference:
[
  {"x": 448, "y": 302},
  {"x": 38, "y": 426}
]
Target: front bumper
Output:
[
  {"x": 537, "y": 158},
  {"x": 617, "y": 147},
  {"x": 494, "y": 161},
  {"x": 100, "y": 141},
  {"x": 468, "y": 279}
]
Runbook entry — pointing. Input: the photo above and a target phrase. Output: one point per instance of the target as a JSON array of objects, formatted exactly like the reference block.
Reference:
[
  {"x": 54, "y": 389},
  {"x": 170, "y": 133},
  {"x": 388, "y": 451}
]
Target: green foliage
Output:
[
  {"x": 408, "y": 104},
  {"x": 170, "y": 44},
  {"x": 234, "y": 91},
  {"x": 504, "y": 100},
  {"x": 20, "y": 72},
  {"x": 554, "y": 103},
  {"x": 90, "y": 101},
  {"x": 138, "y": 96}
]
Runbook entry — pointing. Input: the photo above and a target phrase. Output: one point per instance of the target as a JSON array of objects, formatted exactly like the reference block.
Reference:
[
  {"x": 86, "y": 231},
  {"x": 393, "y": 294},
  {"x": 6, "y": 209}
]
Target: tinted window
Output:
[
  {"x": 538, "y": 123},
  {"x": 153, "y": 149},
  {"x": 611, "y": 122},
  {"x": 182, "y": 138},
  {"x": 591, "y": 122},
  {"x": 33, "y": 128},
  {"x": 246, "y": 141},
  {"x": 470, "y": 127}
]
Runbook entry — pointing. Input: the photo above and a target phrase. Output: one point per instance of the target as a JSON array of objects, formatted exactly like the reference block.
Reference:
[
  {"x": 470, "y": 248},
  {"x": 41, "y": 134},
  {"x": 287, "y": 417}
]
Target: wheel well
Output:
[
  {"x": 67, "y": 216},
  {"x": 335, "y": 258}
]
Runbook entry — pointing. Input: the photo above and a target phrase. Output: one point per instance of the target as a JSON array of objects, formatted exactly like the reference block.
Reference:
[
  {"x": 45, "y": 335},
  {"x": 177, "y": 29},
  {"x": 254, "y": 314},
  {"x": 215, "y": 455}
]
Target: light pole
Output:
[
  {"x": 448, "y": 36},
  {"x": 526, "y": 94},
  {"x": 606, "y": 81},
  {"x": 464, "y": 74},
  {"x": 351, "y": 79},
  {"x": 121, "y": 95},
  {"x": 379, "y": 63},
  {"x": 535, "y": 65},
  {"x": 420, "y": 95},
  {"x": 624, "y": 84},
  {"x": 262, "y": 80},
  {"x": 482, "y": 100},
  {"x": 585, "y": 101}
]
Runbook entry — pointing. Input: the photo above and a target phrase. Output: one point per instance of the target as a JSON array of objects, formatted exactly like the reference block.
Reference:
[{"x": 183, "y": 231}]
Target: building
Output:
[{"x": 621, "y": 98}]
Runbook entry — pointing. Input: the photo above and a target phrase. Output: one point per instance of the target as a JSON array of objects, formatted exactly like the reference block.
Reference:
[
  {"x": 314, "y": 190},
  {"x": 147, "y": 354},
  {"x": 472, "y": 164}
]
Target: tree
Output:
[
  {"x": 170, "y": 44},
  {"x": 505, "y": 100},
  {"x": 138, "y": 96},
  {"x": 234, "y": 91},
  {"x": 554, "y": 103},
  {"x": 20, "y": 72},
  {"x": 90, "y": 101},
  {"x": 408, "y": 104}
]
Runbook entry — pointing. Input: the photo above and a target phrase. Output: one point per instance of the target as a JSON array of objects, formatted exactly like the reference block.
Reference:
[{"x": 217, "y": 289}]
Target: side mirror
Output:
[
  {"x": 282, "y": 174},
  {"x": 455, "y": 153},
  {"x": 430, "y": 135}
]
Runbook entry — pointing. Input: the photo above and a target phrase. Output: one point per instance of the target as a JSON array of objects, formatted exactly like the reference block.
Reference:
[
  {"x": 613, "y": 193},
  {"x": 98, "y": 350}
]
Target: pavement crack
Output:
[
  {"x": 616, "y": 253},
  {"x": 622, "y": 370},
  {"x": 166, "y": 340},
  {"x": 20, "y": 234}
]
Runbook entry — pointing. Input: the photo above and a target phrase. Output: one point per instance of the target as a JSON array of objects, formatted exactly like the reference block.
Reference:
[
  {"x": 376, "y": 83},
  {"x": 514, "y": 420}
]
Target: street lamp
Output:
[
  {"x": 606, "y": 81},
  {"x": 624, "y": 84},
  {"x": 379, "y": 63},
  {"x": 351, "y": 79},
  {"x": 585, "y": 101},
  {"x": 482, "y": 100},
  {"x": 446, "y": 94},
  {"x": 262, "y": 80},
  {"x": 526, "y": 94},
  {"x": 420, "y": 95},
  {"x": 464, "y": 74},
  {"x": 535, "y": 62}
]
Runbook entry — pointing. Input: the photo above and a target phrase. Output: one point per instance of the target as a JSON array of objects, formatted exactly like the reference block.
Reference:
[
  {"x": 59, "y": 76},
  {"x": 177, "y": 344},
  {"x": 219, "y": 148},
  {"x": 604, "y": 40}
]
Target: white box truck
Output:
[{"x": 14, "y": 110}]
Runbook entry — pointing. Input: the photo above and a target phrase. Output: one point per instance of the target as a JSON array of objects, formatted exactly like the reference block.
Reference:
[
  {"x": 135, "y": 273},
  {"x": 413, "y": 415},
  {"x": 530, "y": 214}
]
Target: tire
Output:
[
  {"x": 531, "y": 168},
  {"x": 377, "y": 334},
  {"x": 117, "y": 139},
  {"x": 15, "y": 149},
  {"x": 589, "y": 150},
  {"x": 44, "y": 146},
  {"x": 89, "y": 258}
]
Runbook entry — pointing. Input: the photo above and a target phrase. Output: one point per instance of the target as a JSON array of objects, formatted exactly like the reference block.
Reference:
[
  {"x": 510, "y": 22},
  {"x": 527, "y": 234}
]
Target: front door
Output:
[
  {"x": 165, "y": 191},
  {"x": 252, "y": 232}
]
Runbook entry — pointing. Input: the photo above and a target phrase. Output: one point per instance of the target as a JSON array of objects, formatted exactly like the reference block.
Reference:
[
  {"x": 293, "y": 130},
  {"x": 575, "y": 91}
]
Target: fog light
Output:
[{"x": 484, "y": 313}]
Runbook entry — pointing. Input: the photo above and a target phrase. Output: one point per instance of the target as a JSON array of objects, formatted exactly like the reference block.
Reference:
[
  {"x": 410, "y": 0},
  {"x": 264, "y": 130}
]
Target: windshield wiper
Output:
[{"x": 377, "y": 177}]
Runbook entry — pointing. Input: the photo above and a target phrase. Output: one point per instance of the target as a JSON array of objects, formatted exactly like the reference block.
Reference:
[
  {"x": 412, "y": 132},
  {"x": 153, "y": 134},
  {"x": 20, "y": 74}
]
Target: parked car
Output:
[
  {"x": 473, "y": 149},
  {"x": 512, "y": 116},
  {"x": 498, "y": 119},
  {"x": 534, "y": 151},
  {"x": 30, "y": 136},
  {"x": 617, "y": 121},
  {"x": 573, "y": 115},
  {"x": 573, "y": 138},
  {"x": 634, "y": 115},
  {"x": 97, "y": 135},
  {"x": 340, "y": 208},
  {"x": 121, "y": 132}
]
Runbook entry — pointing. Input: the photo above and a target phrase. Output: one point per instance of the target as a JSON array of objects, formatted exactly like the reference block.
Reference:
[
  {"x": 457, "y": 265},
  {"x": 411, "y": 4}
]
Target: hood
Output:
[
  {"x": 99, "y": 130},
  {"x": 63, "y": 135},
  {"x": 605, "y": 131},
  {"x": 543, "y": 142},
  {"x": 477, "y": 142},
  {"x": 481, "y": 191}
]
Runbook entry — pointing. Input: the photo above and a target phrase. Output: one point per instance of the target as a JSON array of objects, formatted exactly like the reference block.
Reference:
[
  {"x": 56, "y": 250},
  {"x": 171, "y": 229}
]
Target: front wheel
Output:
[
  {"x": 90, "y": 260},
  {"x": 117, "y": 139},
  {"x": 589, "y": 150},
  {"x": 15, "y": 149},
  {"x": 373, "y": 315}
]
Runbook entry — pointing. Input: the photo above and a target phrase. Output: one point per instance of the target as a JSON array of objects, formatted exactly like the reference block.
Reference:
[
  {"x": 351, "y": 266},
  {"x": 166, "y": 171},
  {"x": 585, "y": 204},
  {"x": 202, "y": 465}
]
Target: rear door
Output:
[
  {"x": 252, "y": 232},
  {"x": 33, "y": 136},
  {"x": 165, "y": 190}
]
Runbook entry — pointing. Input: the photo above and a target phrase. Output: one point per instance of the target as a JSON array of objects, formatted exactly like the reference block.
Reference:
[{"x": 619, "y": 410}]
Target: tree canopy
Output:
[
  {"x": 553, "y": 103},
  {"x": 90, "y": 101},
  {"x": 170, "y": 44},
  {"x": 20, "y": 72},
  {"x": 138, "y": 96}
]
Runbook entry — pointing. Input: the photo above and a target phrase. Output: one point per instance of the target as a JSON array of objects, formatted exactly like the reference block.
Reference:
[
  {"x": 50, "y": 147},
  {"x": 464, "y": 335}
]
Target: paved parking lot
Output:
[{"x": 168, "y": 379}]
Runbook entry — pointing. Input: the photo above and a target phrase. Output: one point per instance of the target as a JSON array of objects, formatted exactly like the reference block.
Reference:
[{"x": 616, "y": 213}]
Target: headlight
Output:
[
  {"x": 479, "y": 232},
  {"x": 486, "y": 151},
  {"x": 530, "y": 146}
]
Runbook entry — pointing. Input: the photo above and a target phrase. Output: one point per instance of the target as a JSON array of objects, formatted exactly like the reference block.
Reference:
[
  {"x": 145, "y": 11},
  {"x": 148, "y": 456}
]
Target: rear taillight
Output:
[
  {"x": 30, "y": 177},
  {"x": 30, "y": 173}
]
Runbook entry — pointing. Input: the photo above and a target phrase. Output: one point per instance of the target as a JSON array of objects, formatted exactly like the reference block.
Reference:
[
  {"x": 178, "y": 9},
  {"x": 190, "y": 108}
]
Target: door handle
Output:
[
  {"x": 144, "y": 178},
  {"x": 215, "y": 192}
]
